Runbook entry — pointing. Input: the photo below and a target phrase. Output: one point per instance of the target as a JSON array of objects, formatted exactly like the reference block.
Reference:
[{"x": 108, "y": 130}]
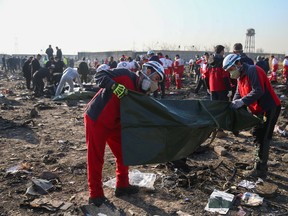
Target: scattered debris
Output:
[
  {"x": 39, "y": 187},
  {"x": 220, "y": 202},
  {"x": 106, "y": 209},
  {"x": 266, "y": 189},
  {"x": 285, "y": 158},
  {"x": 136, "y": 178},
  {"x": 181, "y": 213},
  {"x": 281, "y": 131},
  {"x": 241, "y": 211},
  {"x": 59, "y": 151},
  {"x": 252, "y": 199},
  {"x": 47, "y": 175},
  {"x": 221, "y": 151},
  {"x": 23, "y": 167},
  {"x": 33, "y": 113},
  {"x": 249, "y": 184},
  {"x": 46, "y": 203}
]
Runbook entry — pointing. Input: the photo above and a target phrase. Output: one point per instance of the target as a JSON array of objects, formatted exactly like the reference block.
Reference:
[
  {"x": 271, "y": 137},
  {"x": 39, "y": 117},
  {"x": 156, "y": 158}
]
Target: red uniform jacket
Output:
[
  {"x": 105, "y": 102},
  {"x": 178, "y": 66},
  {"x": 219, "y": 79},
  {"x": 255, "y": 90}
]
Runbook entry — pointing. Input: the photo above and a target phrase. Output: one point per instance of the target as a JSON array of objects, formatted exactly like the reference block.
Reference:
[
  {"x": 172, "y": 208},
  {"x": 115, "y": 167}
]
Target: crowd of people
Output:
[
  {"x": 235, "y": 78},
  {"x": 174, "y": 69}
]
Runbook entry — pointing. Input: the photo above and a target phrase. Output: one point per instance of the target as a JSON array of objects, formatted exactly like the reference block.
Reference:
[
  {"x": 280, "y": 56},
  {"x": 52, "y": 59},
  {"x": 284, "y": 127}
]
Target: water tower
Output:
[{"x": 250, "y": 41}]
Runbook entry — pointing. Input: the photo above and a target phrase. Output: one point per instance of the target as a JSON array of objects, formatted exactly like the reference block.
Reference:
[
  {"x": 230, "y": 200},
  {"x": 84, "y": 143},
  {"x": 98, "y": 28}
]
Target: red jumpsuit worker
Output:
[
  {"x": 169, "y": 71},
  {"x": 203, "y": 61},
  {"x": 285, "y": 70},
  {"x": 103, "y": 125},
  {"x": 166, "y": 70},
  {"x": 178, "y": 66},
  {"x": 273, "y": 77}
]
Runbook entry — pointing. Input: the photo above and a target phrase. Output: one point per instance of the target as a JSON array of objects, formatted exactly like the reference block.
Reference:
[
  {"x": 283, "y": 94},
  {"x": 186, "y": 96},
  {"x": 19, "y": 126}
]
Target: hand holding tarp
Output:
[
  {"x": 119, "y": 90},
  {"x": 229, "y": 94},
  {"x": 236, "y": 104}
]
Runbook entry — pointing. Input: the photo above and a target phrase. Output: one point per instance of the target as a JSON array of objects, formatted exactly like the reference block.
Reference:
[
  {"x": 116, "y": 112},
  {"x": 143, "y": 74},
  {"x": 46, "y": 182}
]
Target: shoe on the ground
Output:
[
  {"x": 102, "y": 201},
  {"x": 236, "y": 133},
  {"x": 255, "y": 173},
  {"x": 180, "y": 165},
  {"x": 97, "y": 201},
  {"x": 221, "y": 134},
  {"x": 131, "y": 189}
]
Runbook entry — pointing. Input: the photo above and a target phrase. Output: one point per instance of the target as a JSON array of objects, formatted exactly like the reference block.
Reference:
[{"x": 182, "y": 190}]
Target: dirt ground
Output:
[{"x": 43, "y": 139}]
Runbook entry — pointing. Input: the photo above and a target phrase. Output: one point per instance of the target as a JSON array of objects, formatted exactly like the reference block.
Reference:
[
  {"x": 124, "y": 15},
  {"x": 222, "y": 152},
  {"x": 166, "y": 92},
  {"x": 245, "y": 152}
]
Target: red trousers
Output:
[
  {"x": 178, "y": 77},
  {"x": 273, "y": 76},
  {"x": 167, "y": 78},
  {"x": 285, "y": 72},
  {"x": 97, "y": 135}
]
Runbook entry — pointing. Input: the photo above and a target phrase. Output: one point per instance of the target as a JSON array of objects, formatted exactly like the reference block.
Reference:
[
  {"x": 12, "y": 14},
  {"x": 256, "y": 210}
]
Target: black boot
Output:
[
  {"x": 97, "y": 201},
  {"x": 131, "y": 189},
  {"x": 259, "y": 170}
]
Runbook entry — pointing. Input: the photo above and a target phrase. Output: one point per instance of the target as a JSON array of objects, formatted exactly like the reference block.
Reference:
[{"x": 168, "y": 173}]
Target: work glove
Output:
[
  {"x": 236, "y": 104},
  {"x": 119, "y": 90},
  {"x": 229, "y": 94}
]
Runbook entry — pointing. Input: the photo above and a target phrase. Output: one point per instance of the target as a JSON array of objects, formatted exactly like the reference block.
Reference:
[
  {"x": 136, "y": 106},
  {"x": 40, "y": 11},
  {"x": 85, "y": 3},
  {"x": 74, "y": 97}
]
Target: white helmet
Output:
[
  {"x": 102, "y": 67},
  {"x": 150, "y": 52},
  {"x": 157, "y": 67},
  {"x": 230, "y": 60}
]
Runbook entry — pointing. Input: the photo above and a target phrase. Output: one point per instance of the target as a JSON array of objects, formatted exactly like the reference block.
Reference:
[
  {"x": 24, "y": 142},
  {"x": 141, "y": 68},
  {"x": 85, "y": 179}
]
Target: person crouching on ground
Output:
[
  {"x": 255, "y": 91},
  {"x": 38, "y": 80},
  {"x": 103, "y": 124},
  {"x": 68, "y": 76}
]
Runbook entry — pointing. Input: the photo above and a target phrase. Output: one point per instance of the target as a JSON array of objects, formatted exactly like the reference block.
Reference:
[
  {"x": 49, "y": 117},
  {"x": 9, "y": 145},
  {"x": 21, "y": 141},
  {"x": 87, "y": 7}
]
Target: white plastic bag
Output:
[{"x": 136, "y": 178}]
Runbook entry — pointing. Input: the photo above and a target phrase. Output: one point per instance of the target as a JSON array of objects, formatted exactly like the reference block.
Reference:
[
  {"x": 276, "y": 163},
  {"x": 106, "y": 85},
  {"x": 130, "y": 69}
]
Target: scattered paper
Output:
[
  {"x": 247, "y": 184},
  {"x": 219, "y": 202}
]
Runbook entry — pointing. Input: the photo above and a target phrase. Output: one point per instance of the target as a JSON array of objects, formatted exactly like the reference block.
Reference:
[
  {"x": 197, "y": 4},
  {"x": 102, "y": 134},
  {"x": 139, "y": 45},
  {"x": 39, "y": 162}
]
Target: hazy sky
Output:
[{"x": 29, "y": 26}]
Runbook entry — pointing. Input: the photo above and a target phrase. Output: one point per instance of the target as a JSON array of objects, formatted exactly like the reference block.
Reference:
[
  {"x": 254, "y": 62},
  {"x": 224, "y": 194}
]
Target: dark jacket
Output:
[
  {"x": 26, "y": 69},
  {"x": 112, "y": 64},
  {"x": 49, "y": 52},
  {"x": 59, "y": 54},
  {"x": 35, "y": 65},
  {"x": 83, "y": 68},
  {"x": 246, "y": 59}
]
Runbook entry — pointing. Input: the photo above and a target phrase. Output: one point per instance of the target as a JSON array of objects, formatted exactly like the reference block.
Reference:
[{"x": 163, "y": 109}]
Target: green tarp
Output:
[{"x": 160, "y": 131}]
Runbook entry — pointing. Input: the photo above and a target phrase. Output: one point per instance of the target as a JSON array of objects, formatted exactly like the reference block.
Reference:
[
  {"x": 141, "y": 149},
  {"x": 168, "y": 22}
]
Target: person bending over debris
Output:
[
  {"x": 38, "y": 83},
  {"x": 103, "y": 124},
  {"x": 68, "y": 76},
  {"x": 255, "y": 91}
]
